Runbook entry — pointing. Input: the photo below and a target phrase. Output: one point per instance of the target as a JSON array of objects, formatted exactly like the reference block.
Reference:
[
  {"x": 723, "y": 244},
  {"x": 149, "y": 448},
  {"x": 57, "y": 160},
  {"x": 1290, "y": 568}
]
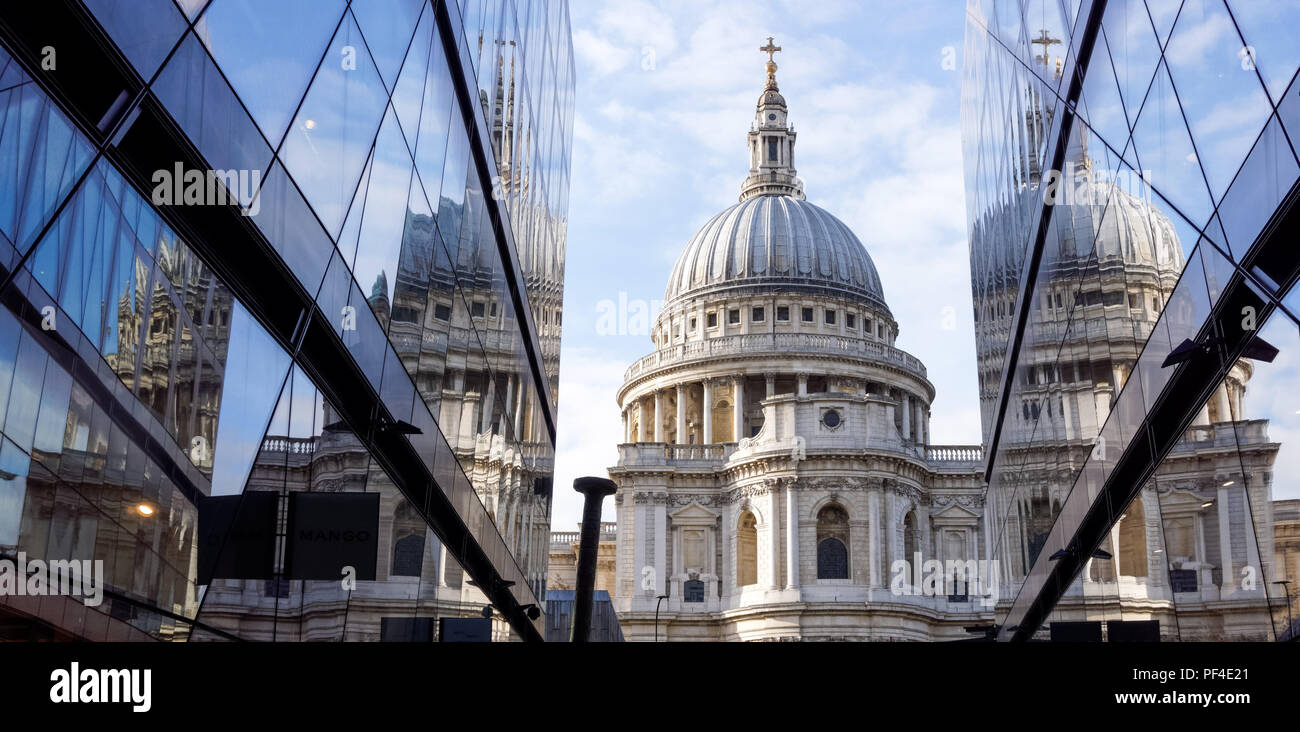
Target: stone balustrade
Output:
[
  {"x": 784, "y": 344},
  {"x": 659, "y": 453}
]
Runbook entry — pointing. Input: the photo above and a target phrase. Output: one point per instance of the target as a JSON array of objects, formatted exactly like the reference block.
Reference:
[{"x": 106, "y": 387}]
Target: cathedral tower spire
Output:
[{"x": 771, "y": 142}]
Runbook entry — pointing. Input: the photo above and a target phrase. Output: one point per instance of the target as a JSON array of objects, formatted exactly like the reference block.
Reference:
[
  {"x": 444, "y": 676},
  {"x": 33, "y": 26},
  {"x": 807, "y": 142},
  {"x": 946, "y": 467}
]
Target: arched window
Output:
[
  {"x": 408, "y": 556},
  {"x": 747, "y": 550},
  {"x": 832, "y": 543},
  {"x": 408, "y": 542}
]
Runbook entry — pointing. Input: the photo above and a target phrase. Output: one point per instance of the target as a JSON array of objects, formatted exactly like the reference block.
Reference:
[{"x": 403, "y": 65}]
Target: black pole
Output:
[
  {"x": 660, "y": 599},
  {"x": 595, "y": 490}
]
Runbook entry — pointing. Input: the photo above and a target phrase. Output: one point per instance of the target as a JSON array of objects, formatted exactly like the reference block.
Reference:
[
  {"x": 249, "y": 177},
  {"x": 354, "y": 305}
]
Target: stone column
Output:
[
  {"x": 489, "y": 403},
  {"x": 873, "y": 535},
  {"x": 803, "y": 385},
  {"x": 659, "y": 416},
  {"x": 627, "y": 427},
  {"x": 923, "y": 531},
  {"x": 1102, "y": 395},
  {"x": 738, "y": 408},
  {"x": 681, "y": 414},
  {"x": 706, "y": 412},
  {"x": 907, "y": 416},
  {"x": 640, "y": 420},
  {"x": 1067, "y": 402},
  {"x": 920, "y": 421},
  {"x": 774, "y": 536},
  {"x": 661, "y": 548},
  {"x": 889, "y": 545},
  {"x": 791, "y": 537},
  {"x": 519, "y": 410},
  {"x": 1225, "y": 544},
  {"x": 510, "y": 401},
  {"x": 1221, "y": 403},
  {"x": 771, "y": 385},
  {"x": 640, "y": 516},
  {"x": 1253, "y": 557},
  {"x": 1203, "y": 416},
  {"x": 1114, "y": 548},
  {"x": 1234, "y": 401}
]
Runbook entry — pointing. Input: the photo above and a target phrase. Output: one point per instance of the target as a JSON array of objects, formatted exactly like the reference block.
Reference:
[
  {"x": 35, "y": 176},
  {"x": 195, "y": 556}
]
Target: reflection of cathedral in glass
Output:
[
  {"x": 1108, "y": 272},
  {"x": 386, "y": 328}
]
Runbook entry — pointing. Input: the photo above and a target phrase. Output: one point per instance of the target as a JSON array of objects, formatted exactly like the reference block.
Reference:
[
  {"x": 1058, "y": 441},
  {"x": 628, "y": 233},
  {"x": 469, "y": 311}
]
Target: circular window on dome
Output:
[
  {"x": 831, "y": 418},
  {"x": 771, "y": 115}
]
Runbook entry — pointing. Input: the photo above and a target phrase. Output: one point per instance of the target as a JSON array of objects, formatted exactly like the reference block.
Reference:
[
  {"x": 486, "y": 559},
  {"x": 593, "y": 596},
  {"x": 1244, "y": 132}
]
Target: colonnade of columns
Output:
[
  {"x": 645, "y": 417},
  {"x": 480, "y": 413},
  {"x": 1227, "y": 405}
]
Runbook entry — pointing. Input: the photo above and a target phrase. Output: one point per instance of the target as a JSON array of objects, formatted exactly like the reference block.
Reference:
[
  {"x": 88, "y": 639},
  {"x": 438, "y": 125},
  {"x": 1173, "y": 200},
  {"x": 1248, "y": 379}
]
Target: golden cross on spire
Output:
[
  {"x": 1047, "y": 42},
  {"x": 769, "y": 49}
]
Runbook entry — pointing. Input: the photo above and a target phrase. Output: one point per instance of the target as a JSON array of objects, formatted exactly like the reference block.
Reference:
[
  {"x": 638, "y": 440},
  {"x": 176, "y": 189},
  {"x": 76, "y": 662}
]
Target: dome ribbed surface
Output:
[{"x": 776, "y": 241}]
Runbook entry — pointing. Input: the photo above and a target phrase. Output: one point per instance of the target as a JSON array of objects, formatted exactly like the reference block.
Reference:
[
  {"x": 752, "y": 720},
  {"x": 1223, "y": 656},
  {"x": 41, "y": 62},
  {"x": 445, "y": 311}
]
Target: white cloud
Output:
[
  {"x": 598, "y": 56},
  {"x": 589, "y": 429}
]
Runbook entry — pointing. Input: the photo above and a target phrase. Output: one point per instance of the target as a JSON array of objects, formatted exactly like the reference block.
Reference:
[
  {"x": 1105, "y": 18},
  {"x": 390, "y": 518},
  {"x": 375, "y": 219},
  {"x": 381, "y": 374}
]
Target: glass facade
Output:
[
  {"x": 1130, "y": 170},
  {"x": 306, "y": 265}
]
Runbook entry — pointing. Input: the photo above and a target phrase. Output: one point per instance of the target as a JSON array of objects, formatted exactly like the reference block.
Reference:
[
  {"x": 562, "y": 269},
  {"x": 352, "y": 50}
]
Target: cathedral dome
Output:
[
  {"x": 1128, "y": 229},
  {"x": 1134, "y": 230},
  {"x": 776, "y": 242}
]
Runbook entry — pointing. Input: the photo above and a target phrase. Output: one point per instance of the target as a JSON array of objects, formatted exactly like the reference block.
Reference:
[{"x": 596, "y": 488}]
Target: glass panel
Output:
[
  {"x": 1219, "y": 94},
  {"x": 376, "y": 266},
  {"x": 37, "y": 145},
  {"x": 145, "y": 44},
  {"x": 387, "y": 27},
  {"x": 268, "y": 51},
  {"x": 254, "y": 370},
  {"x": 196, "y": 95},
  {"x": 327, "y": 145},
  {"x": 1266, "y": 28}
]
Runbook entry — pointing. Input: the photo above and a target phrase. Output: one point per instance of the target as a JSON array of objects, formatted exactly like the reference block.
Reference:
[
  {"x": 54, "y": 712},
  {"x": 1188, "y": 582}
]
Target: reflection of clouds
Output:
[
  {"x": 268, "y": 51},
  {"x": 1194, "y": 39},
  {"x": 255, "y": 368},
  {"x": 383, "y": 218},
  {"x": 344, "y": 108},
  {"x": 1270, "y": 29},
  {"x": 1271, "y": 394}
]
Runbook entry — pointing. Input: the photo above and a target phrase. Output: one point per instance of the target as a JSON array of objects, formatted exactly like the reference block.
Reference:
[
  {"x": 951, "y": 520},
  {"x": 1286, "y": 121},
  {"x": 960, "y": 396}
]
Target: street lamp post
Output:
[
  {"x": 658, "y": 600},
  {"x": 594, "y": 491}
]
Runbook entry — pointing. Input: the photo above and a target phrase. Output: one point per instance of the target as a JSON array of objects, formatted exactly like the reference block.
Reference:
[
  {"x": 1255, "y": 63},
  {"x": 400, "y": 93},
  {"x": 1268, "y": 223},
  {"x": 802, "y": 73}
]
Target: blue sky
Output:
[{"x": 665, "y": 95}]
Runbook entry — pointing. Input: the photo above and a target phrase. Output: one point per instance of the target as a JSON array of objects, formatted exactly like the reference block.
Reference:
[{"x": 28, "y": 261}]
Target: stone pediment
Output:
[
  {"x": 954, "y": 512},
  {"x": 1181, "y": 500},
  {"x": 693, "y": 513}
]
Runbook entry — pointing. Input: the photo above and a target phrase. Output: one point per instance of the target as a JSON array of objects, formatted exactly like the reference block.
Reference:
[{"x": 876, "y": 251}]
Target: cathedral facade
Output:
[{"x": 776, "y": 477}]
